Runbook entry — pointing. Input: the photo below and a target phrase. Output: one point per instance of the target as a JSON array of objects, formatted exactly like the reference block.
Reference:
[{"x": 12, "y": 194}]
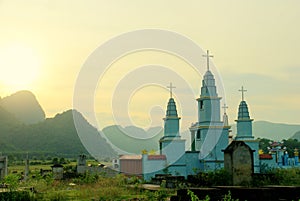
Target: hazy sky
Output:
[{"x": 44, "y": 43}]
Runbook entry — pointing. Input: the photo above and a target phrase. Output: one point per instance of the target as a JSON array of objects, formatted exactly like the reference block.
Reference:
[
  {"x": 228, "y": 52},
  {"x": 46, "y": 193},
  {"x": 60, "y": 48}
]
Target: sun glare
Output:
[{"x": 19, "y": 67}]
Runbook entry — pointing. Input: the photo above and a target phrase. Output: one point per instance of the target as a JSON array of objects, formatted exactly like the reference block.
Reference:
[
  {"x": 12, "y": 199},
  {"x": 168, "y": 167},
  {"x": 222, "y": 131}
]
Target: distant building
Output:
[
  {"x": 115, "y": 164},
  {"x": 131, "y": 165}
]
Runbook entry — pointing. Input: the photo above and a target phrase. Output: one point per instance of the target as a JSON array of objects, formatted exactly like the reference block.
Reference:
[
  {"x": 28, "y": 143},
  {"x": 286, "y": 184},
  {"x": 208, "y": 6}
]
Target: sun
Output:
[{"x": 19, "y": 66}]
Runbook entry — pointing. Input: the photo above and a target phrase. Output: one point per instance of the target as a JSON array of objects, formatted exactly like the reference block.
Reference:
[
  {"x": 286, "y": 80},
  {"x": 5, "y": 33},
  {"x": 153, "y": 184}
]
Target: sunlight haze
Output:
[{"x": 256, "y": 44}]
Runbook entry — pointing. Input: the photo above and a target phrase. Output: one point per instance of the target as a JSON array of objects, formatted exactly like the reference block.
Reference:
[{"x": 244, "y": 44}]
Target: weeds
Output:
[{"x": 194, "y": 197}]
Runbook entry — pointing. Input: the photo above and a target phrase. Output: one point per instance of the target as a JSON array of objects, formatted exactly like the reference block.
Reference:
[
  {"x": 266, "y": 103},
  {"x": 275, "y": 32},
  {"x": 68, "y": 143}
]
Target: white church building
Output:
[{"x": 209, "y": 137}]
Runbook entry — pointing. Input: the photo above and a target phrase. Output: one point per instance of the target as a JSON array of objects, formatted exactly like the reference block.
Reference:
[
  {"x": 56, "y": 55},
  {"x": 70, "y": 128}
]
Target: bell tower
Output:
[
  {"x": 171, "y": 143},
  {"x": 209, "y": 135},
  {"x": 244, "y": 130}
]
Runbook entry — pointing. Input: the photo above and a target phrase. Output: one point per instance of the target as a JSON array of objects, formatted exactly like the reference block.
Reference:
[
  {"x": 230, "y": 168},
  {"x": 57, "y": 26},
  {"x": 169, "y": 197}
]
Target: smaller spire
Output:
[
  {"x": 171, "y": 108},
  {"x": 225, "y": 117},
  {"x": 171, "y": 87},
  {"x": 225, "y": 107},
  {"x": 242, "y": 90},
  {"x": 243, "y": 112},
  {"x": 207, "y": 57}
]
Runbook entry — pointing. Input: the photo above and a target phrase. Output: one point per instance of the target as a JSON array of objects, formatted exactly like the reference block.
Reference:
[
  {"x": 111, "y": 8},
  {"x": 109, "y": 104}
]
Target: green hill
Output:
[
  {"x": 24, "y": 106},
  {"x": 269, "y": 130},
  {"x": 132, "y": 139},
  {"x": 52, "y": 137},
  {"x": 296, "y": 136}
]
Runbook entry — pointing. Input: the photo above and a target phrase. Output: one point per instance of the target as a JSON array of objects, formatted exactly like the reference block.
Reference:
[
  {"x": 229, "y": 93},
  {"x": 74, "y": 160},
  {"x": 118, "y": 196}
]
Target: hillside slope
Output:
[
  {"x": 53, "y": 136},
  {"x": 132, "y": 139},
  {"x": 269, "y": 130},
  {"x": 24, "y": 106}
]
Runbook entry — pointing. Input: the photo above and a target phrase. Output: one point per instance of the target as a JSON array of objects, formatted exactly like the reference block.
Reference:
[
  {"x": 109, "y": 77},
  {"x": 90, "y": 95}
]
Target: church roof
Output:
[
  {"x": 131, "y": 157},
  {"x": 157, "y": 157},
  {"x": 208, "y": 85},
  {"x": 235, "y": 144},
  {"x": 243, "y": 112},
  {"x": 265, "y": 156},
  {"x": 171, "y": 108},
  {"x": 208, "y": 75}
]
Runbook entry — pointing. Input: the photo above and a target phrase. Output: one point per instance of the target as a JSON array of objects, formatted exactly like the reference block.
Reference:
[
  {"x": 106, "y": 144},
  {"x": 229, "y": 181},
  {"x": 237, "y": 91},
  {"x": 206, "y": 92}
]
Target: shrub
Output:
[
  {"x": 12, "y": 180},
  {"x": 216, "y": 178}
]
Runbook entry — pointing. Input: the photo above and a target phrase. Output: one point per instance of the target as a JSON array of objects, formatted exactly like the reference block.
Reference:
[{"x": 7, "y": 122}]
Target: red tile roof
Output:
[
  {"x": 131, "y": 157},
  {"x": 265, "y": 156},
  {"x": 157, "y": 157}
]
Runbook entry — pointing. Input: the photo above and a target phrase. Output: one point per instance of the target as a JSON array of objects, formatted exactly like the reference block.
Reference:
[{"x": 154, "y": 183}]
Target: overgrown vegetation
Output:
[
  {"x": 91, "y": 186},
  {"x": 194, "y": 197},
  {"x": 86, "y": 187},
  {"x": 284, "y": 177},
  {"x": 216, "y": 178}
]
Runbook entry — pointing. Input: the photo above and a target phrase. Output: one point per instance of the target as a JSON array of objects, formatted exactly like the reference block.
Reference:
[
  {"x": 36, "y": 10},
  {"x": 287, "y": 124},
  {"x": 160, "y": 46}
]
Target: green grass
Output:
[{"x": 87, "y": 187}]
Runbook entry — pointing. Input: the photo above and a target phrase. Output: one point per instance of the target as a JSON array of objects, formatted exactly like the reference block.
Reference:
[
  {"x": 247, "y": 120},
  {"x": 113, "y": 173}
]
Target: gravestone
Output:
[
  {"x": 81, "y": 164},
  {"x": 3, "y": 166},
  {"x": 238, "y": 162},
  {"x": 57, "y": 171}
]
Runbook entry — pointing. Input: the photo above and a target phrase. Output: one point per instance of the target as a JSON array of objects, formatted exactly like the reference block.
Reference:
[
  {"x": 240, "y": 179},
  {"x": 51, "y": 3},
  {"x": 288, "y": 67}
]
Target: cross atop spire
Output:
[
  {"x": 225, "y": 107},
  {"x": 242, "y": 90},
  {"x": 207, "y": 57},
  {"x": 171, "y": 87}
]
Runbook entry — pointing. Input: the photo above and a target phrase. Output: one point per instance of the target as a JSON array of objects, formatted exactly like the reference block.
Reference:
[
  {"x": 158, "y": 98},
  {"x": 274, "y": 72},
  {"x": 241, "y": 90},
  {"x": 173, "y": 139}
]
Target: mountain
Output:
[
  {"x": 273, "y": 131},
  {"x": 7, "y": 122},
  {"x": 296, "y": 136},
  {"x": 53, "y": 136},
  {"x": 132, "y": 139},
  {"x": 24, "y": 106}
]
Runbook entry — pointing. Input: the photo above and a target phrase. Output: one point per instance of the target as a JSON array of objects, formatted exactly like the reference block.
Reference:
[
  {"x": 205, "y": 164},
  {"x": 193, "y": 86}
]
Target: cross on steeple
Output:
[
  {"x": 242, "y": 90},
  {"x": 171, "y": 87},
  {"x": 207, "y": 57},
  {"x": 225, "y": 107}
]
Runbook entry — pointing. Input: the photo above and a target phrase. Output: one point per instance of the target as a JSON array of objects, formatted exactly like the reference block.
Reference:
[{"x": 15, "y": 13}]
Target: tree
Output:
[
  {"x": 290, "y": 145},
  {"x": 62, "y": 161},
  {"x": 264, "y": 144},
  {"x": 55, "y": 161}
]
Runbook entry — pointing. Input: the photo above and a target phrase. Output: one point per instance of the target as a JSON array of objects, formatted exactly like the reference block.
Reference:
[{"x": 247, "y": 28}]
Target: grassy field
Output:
[
  {"x": 46, "y": 165},
  {"x": 91, "y": 187},
  {"x": 85, "y": 187}
]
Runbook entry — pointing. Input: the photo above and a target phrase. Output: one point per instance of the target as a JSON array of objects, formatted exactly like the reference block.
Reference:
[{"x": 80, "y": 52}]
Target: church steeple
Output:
[
  {"x": 171, "y": 143},
  {"x": 209, "y": 102},
  {"x": 244, "y": 130},
  {"x": 171, "y": 128},
  {"x": 244, "y": 122},
  {"x": 209, "y": 136},
  {"x": 225, "y": 116}
]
